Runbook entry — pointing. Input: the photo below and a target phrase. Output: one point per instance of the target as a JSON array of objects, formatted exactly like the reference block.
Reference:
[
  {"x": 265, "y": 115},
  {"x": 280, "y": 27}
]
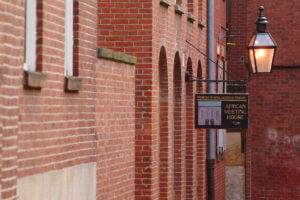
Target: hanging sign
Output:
[{"x": 222, "y": 111}]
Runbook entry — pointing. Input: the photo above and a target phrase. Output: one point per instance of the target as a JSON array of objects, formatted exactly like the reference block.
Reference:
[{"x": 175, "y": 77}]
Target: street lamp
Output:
[{"x": 262, "y": 46}]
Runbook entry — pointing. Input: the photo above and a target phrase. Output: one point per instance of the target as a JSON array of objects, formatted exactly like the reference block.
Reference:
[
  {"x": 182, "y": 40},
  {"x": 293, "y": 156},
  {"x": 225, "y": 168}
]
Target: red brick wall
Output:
[
  {"x": 273, "y": 136},
  {"x": 272, "y": 141},
  {"x": 49, "y": 129},
  {"x": 142, "y": 29},
  {"x": 11, "y": 56},
  {"x": 170, "y": 31},
  {"x": 220, "y": 180},
  {"x": 127, "y": 27},
  {"x": 237, "y": 56},
  {"x": 115, "y": 116},
  {"x": 51, "y": 121}
]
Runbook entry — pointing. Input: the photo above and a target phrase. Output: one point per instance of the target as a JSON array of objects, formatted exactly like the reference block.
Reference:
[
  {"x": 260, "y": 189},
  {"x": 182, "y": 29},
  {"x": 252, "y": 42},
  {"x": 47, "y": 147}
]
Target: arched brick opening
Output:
[
  {"x": 163, "y": 124},
  {"x": 189, "y": 156},
  {"x": 201, "y": 147},
  {"x": 199, "y": 76},
  {"x": 177, "y": 131}
]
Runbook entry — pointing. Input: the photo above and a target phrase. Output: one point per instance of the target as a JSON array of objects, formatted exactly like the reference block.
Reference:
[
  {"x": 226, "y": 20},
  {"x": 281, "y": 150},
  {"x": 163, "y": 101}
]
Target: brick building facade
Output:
[
  {"x": 121, "y": 125},
  {"x": 59, "y": 144},
  {"x": 272, "y": 140},
  {"x": 115, "y": 127}
]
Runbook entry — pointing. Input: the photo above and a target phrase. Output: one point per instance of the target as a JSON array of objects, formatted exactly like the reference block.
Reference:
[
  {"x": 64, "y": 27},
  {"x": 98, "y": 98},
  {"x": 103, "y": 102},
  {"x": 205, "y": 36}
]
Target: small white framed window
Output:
[
  {"x": 221, "y": 141},
  {"x": 69, "y": 37},
  {"x": 31, "y": 35}
]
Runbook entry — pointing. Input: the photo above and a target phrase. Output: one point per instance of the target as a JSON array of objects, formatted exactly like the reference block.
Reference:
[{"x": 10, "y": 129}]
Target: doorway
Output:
[{"x": 235, "y": 166}]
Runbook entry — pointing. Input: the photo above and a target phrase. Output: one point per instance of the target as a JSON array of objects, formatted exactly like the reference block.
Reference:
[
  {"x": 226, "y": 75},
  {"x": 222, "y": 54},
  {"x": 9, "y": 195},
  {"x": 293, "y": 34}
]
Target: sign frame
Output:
[{"x": 227, "y": 110}]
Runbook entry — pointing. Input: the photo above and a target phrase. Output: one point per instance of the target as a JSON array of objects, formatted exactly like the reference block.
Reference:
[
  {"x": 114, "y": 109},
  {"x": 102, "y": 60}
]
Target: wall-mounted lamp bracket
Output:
[
  {"x": 189, "y": 77},
  {"x": 229, "y": 38}
]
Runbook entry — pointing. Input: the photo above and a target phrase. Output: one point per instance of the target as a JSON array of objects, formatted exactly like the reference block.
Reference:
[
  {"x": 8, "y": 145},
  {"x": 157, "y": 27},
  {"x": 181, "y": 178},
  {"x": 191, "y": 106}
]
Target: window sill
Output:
[
  {"x": 178, "y": 9},
  {"x": 191, "y": 18},
  {"x": 201, "y": 24},
  {"x": 34, "y": 80},
  {"x": 165, "y": 3},
  {"x": 73, "y": 84}
]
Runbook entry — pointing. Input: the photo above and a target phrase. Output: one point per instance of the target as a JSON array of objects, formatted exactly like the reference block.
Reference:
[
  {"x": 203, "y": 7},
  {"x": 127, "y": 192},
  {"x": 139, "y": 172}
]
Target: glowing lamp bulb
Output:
[{"x": 260, "y": 53}]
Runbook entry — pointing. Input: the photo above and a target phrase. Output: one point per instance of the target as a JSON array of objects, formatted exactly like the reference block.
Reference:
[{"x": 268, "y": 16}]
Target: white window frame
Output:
[
  {"x": 221, "y": 141},
  {"x": 69, "y": 35},
  {"x": 31, "y": 35}
]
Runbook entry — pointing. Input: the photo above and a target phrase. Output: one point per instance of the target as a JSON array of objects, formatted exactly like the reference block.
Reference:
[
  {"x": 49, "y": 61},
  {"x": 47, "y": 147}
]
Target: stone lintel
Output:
[{"x": 116, "y": 56}]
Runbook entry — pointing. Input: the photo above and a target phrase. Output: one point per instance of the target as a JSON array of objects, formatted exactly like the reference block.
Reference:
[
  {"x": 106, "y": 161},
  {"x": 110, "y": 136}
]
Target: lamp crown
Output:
[{"x": 261, "y": 22}]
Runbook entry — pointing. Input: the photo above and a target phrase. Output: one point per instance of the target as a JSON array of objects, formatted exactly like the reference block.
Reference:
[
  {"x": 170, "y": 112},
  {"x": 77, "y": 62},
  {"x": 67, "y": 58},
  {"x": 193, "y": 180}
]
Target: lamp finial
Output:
[{"x": 261, "y": 22}]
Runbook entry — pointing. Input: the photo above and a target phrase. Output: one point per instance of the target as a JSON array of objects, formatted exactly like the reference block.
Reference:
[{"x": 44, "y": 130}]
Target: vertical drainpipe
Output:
[{"x": 211, "y": 89}]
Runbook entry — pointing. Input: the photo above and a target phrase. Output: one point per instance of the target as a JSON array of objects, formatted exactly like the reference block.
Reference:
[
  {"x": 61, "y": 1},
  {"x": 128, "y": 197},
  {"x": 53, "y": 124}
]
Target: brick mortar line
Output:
[
  {"x": 55, "y": 130},
  {"x": 11, "y": 76},
  {"x": 52, "y": 13},
  {"x": 53, "y": 163},
  {"x": 12, "y": 147},
  {"x": 5, "y": 128},
  {"x": 10, "y": 138},
  {"x": 63, "y": 97},
  {"x": 10, "y": 168},
  {"x": 9, "y": 158},
  {"x": 4, "y": 117},
  {"x": 52, "y": 114},
  {"x": 10, "y": 188},
  {"x": 12, "y": 57},
  {"x": 56, "y": 154},
  {"x": 7, "y": 97},
  {"x": 53, "y": 146},
  {"x": 12, "y": 15},
  {"x": 56, "y": 138},
  {"x": 53, "y": 7},
  {"x": 6, "y": 107}
]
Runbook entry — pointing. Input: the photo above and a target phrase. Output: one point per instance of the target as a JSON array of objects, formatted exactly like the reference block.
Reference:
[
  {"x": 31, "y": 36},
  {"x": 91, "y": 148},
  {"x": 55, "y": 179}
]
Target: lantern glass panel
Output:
[
  {"x": 263, "y": 39},
  {"x": 251, "y": 43},
  {"x": 264, "y": 59},
  {"x": 252, "y": 62}
]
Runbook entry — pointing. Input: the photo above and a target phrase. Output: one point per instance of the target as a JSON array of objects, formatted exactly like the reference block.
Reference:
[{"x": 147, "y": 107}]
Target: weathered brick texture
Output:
[
  {"x": 51, "y": 121},
  {"x": 11, "y": 56},
  {"x": 272, "y": 138},
  {"x": 115, "y": 116},
  {"x": 170, "y": 154},
  {"x": 50, "y": 129},
  {"x": 135, "y": 122}
]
